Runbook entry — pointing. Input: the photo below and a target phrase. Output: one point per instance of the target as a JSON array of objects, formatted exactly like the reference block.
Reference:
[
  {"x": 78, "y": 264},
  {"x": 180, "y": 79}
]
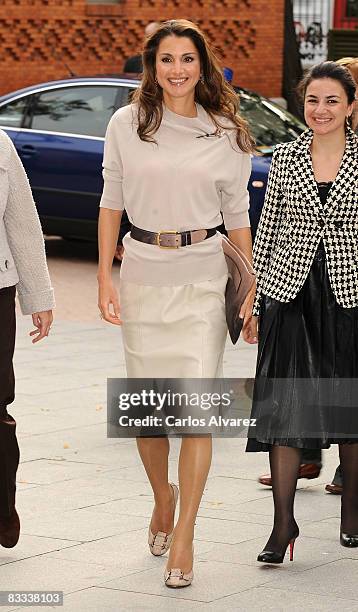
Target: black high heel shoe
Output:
[
  {"x": 270, "y": 556},
  {"x": 349, "y": 540}
]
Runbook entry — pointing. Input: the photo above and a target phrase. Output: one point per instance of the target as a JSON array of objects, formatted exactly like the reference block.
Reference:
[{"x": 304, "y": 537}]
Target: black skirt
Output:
[{"x": 301, "y": 342}]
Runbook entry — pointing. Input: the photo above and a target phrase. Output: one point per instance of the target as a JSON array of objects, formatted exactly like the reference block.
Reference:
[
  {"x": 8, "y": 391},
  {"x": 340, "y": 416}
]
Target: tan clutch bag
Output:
[{"x": 240, "y": 281}]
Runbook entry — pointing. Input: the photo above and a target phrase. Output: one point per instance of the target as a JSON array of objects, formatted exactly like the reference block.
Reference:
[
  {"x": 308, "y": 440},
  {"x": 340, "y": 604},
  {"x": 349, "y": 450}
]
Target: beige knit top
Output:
[{"x": 181, "y": 183}]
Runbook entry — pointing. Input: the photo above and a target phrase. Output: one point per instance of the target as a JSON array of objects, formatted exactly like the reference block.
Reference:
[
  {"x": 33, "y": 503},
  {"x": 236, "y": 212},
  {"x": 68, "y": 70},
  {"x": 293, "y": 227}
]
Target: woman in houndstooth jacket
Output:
[{"x": 306, "y": 259}]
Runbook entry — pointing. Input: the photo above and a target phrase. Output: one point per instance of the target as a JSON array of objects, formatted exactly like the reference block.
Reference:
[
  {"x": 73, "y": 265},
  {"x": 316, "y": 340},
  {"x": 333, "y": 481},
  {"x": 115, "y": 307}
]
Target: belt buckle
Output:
[{"x": 166, "y": 232}]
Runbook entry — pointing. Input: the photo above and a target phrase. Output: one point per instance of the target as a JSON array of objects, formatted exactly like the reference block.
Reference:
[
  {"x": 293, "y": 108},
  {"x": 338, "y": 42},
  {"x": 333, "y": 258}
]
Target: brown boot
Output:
[
  {"x": 10, "y": 530},
  {"x": 336, "y": 486},
  {"x": 307, "y": 470}
]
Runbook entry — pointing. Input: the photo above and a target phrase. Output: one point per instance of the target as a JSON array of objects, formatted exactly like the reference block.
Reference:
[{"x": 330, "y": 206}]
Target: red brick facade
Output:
[{"x": 37, "y": 37}]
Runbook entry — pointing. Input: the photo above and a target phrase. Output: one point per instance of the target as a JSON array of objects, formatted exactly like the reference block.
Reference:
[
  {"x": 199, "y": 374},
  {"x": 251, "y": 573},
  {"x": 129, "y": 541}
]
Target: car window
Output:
[
  {"x": 269, "y": 123},
  {"x": 75, "y": 110},
  {"x": 124, "y": 96},
  {"x": 12, "y": 114}
]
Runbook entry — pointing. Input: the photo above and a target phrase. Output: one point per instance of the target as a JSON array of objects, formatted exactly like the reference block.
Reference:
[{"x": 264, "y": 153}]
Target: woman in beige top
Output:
[{"x": 174, "y": 159}]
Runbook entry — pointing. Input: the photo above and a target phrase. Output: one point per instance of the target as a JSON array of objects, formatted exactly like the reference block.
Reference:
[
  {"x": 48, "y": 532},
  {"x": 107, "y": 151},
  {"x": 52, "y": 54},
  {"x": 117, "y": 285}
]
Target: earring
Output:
[
  {"x": 348, "y": 120},
  {"x": 202, "y": 80}
]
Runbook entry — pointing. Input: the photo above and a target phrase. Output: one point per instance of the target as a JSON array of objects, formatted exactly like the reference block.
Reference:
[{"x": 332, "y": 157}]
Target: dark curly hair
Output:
[{"x": 216, "y": 96}]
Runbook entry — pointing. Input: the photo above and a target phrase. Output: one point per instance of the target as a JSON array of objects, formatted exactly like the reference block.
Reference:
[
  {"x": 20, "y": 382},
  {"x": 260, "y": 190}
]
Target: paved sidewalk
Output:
[{"x": 85, "y": 503}]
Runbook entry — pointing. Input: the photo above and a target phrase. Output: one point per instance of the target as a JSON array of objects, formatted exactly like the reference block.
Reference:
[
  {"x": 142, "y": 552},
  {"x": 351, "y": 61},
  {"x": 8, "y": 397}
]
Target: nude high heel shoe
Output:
[
  {"x": 174, "y": 578},
  {"x": 159, "y": 543}
]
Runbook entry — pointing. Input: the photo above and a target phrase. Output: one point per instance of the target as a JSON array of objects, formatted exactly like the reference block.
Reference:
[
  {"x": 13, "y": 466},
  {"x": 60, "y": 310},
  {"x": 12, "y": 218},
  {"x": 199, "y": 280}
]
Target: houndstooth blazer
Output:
[{"x": 294, "y": 220}]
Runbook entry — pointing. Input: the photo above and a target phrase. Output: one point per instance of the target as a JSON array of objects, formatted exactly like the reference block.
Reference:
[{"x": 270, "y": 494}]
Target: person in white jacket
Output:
[{"x": 23, "y": 268}]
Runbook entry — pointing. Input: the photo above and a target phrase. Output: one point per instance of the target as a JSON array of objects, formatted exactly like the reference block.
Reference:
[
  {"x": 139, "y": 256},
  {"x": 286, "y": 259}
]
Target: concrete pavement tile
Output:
[
  {"x": 85, "y": 399},
  {"x": 44, "y": 420},
  {"x": 81, "y": 438},
  {"x": 137, "y": 505},
  {"x": 247, "y": 467},
  {"x": 265, "y": 599},
  {"x": 71, "y": 443},
  {"x": 309, "y": 553},
  {"x": 338, "y": 578},
  {"x": 52, "y": 574},
  {"x": 132, "y": 473},
  {"x": 57, "y": 350},
  {"x": 83, "y": 525},
  {"x": 125, "y": 488},
  {"x": 65, "y": 331},
  {"x": 31, "y": 546},
  {"x": 81, "y": 493},
  {"x": 108, "y": 356},
  {"x": 211, "y": 581},
  {"x": 135, "y": 473},
  {"x": 211, "y": 530},
  {"x": 54, "y": 384},
  {"x": 108, "y": 451},
  {"x": 231, "y": 460},
  {"x": 310, "y": 504},
  {"x": 24, "y": 486},
  {"x": 73, "y": 494},
  {"x": 56, "y": 380},
  {"x": 94, "y": 599},
  {"x": 233, "y": 491},
  {"x": 327, "y": 529},
  {"x": 78, "y": 444},
  {"x": 217, "y": 512},
  {"x": 48, "y": 471},
  {"x": 140, "y": 505},
  {"x": 128, "y": 551}
]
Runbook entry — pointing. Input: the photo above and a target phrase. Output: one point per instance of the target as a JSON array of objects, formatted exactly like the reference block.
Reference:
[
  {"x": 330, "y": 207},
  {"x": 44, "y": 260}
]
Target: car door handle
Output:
[{"x": 27, "y": 150}]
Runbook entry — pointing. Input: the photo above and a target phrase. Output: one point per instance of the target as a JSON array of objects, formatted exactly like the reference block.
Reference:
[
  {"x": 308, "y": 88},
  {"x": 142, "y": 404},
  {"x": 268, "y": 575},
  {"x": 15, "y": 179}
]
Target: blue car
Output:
[{"x": 58, "y": 130}]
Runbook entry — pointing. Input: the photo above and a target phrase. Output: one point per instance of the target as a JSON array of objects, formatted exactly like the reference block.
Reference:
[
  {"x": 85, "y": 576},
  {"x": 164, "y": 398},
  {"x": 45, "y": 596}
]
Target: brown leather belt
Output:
[{"x": 167, "y": 239}]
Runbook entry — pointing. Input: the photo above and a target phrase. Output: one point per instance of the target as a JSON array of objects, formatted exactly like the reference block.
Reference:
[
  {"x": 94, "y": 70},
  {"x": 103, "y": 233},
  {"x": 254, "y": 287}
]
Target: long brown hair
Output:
[
  {"x": 351, "y": 64},
  {"x": 216, "y": 95}
]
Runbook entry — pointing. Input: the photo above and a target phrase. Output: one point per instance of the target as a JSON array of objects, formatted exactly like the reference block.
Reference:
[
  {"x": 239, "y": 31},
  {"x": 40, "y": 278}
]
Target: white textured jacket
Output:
[{"x": 22, "y": 250}]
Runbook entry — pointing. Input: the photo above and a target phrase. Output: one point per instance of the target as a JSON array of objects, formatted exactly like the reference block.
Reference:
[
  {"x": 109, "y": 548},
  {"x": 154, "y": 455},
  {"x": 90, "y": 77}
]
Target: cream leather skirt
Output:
[{"x": 174, "y": 332}]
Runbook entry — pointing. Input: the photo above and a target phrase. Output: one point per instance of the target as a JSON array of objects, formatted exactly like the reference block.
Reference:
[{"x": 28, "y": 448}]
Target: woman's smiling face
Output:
[
  {"x": 177, "y": 67},
  {"x": 326, "y": 106}
]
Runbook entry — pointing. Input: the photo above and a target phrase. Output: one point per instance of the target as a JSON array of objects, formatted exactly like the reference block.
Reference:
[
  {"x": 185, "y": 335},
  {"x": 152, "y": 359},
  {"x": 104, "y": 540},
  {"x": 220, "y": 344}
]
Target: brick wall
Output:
[{"x": 38, "y": 37}]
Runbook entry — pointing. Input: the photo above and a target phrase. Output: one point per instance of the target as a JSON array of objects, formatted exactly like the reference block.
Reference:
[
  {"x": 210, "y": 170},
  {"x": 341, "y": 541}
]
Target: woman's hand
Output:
[
  {"x": 246, "y": 308},
  {"x": 42, "y": 322},
  {"x": 119, "y": 253},
  {"x": 249, "y": 329},
  {"x": 107, "y": 296}
]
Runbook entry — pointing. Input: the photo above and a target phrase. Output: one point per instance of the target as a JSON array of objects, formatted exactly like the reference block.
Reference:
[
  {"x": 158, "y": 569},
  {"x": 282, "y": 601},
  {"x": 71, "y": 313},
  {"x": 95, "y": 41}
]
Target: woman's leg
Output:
[
  {"x": 284, "y": 462},
  {"x": 194, "y": 466},
  {"x": 349, "y": 464},
  {"x": 154, "y": 454}
]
